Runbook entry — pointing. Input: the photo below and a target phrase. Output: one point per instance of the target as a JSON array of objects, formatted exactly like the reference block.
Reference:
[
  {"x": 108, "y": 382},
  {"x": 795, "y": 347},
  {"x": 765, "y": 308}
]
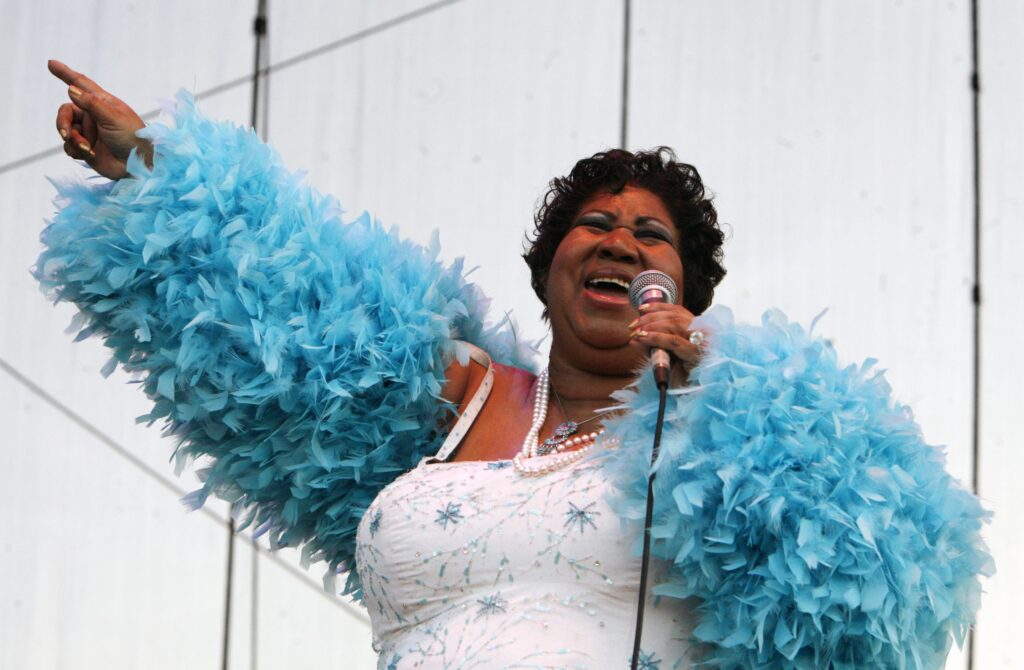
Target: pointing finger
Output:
[{"x": 71, "y": 77}]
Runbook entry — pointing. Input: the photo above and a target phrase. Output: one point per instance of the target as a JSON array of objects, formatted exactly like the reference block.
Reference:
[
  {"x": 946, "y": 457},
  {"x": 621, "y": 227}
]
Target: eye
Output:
[
  {"x": 598, "y": 222},
  {"x": 652, "y": 234}
]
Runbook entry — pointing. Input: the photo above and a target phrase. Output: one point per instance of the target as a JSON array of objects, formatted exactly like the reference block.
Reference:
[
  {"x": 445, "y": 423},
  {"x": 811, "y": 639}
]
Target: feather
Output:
[{"x": 797, "y": 501}]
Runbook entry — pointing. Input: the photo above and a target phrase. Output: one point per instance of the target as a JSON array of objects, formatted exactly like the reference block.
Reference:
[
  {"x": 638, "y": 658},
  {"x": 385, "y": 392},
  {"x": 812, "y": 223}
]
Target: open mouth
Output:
[{"x": 609, "y": 287}]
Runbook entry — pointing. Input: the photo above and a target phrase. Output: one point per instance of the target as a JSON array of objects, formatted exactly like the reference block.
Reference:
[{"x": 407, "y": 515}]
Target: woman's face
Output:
[{"x": 614, "y": 237}]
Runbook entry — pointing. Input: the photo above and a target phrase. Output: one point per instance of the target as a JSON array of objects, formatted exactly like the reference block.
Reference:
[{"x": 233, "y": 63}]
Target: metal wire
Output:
[{"x": 263, "y": 71}]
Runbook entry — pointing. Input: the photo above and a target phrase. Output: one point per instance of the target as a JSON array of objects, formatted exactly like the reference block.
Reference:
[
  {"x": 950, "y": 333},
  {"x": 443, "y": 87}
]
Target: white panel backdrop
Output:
[{"x": 838, "y": 137}]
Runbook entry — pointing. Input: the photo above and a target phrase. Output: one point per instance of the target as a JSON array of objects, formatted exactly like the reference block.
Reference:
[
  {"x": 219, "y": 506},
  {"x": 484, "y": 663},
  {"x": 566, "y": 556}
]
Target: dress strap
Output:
[{"x": 472, "y": 410}]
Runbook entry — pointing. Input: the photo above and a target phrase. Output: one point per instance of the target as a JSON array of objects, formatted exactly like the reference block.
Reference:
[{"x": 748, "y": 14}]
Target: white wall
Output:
[{"x": 838, "y": 137}]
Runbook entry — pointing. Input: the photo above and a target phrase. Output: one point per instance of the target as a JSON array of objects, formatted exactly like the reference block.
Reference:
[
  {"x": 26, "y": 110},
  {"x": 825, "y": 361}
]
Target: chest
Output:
[{"x": 456, "y": 533}]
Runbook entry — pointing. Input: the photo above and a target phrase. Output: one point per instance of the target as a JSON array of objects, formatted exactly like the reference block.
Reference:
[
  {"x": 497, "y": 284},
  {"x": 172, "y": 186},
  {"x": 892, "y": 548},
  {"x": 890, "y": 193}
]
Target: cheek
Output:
[
  {"x": 554, "y": 279},
  {"x": 571, "y": 245},
  {"x": 564, "y": 262}
]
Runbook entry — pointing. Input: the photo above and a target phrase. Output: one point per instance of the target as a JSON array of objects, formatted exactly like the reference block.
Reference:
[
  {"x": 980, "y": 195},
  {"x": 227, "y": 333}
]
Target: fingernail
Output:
[
  {"x": 74, "y": 91},
  {"x": 638, "y": 333},
  {"x": 633, "y": 324},
  {"x": 644, "y": 307},
  {"x": 85, "y": 147},
  {"x": 63, "y": 133}
]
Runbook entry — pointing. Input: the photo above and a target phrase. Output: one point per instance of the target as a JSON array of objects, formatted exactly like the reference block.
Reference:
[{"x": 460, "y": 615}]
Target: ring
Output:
[{"x": 697, "y": 340}]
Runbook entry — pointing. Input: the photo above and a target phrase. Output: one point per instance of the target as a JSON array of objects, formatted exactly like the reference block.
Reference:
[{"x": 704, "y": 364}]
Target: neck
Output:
[{"x": 583, "y": 392}]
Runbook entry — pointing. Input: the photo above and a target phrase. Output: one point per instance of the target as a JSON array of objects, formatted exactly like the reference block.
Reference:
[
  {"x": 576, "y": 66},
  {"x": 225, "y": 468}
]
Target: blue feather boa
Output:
[
  {"x": 301, "y": 359},
  {"x": 799, "y": 503}
]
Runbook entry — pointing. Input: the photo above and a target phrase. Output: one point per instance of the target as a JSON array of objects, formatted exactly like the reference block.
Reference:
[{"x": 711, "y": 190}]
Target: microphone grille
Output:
[{"x": 649, "y": 279}]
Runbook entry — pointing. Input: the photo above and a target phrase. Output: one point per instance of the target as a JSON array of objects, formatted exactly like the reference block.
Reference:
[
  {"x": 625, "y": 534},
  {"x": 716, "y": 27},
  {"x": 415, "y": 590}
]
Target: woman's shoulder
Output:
[{"x": 464, "y": 375}]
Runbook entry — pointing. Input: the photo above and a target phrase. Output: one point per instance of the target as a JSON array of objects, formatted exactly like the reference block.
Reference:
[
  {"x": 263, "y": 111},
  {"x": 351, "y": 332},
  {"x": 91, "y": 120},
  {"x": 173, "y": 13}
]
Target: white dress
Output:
[{"x": 472, "y": 565}]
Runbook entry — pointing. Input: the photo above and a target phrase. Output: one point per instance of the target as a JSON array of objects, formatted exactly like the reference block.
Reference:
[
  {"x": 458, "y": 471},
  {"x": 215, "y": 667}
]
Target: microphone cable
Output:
[{"x": 648, "y": 519}]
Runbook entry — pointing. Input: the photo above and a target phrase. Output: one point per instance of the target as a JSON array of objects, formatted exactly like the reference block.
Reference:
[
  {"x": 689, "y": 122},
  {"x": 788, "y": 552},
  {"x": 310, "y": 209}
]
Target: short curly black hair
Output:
[{"x": 677, "y": 184}]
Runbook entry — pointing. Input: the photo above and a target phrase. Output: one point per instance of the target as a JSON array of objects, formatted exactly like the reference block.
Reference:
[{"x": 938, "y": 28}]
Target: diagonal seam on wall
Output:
[{"x": 134, "y": 460}]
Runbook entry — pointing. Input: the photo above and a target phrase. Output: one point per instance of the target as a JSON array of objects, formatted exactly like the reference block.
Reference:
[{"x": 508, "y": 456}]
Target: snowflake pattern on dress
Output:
[
  {"x": 375, "y": 522},
  {"x": 583, "y": 516},
  {"x": 451, "y": 513},
  {"x": 492, "y": 605},
  {"x": 647, "y": 661}
]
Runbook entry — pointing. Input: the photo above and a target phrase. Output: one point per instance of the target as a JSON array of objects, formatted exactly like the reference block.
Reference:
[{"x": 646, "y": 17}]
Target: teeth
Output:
[{"x": 609, "y": 280}]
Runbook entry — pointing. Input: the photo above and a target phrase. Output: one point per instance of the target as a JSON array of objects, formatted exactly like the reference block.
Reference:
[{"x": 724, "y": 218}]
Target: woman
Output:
[{"x": 317, "y": 366}]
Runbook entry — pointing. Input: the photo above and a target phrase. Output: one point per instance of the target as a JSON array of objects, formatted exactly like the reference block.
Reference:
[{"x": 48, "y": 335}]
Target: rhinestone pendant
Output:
[
  {"x": 562, "y": 433},
  {"x": 566, "y": 429},
  {"x": 549, "y": 446}
]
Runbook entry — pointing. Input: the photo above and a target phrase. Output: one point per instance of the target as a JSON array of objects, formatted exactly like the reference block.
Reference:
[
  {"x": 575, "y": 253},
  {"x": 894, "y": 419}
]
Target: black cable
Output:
[
  {"x": 259, "y": 29},
  {"x": 226, "y": 638},
  {"x": 976, "y": 294},
  {"x": 648, "y": 519},
  {"x": 261, "y": 124},
  {"x": 254, "y": 620}
]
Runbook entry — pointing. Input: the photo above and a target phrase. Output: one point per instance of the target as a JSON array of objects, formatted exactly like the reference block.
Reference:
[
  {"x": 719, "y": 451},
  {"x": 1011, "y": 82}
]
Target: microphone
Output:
[{"x": 654, "y": 286}]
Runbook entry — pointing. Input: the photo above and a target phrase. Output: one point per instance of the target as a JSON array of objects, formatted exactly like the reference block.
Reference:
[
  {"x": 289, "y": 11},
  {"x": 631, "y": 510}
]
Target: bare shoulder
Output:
[
  {"x": 458, "y": 379},
  {"x": 462, "y": 381}
]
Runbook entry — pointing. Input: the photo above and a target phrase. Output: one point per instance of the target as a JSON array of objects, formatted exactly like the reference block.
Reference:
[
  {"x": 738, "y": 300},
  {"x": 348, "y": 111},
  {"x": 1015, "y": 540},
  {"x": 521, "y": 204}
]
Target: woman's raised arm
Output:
[{"x": 303, "y": 357}]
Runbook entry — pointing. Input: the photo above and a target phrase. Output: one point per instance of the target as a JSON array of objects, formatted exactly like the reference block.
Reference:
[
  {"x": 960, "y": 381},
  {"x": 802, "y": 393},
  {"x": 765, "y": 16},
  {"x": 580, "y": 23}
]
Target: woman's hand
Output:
[
  {"x": 667, "y": 326},
  {"x": 97, "y": 127}
]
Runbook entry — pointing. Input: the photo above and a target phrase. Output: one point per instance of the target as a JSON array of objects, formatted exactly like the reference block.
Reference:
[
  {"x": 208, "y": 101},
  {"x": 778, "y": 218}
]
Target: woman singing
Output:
[{"x": 341, "y": 389}]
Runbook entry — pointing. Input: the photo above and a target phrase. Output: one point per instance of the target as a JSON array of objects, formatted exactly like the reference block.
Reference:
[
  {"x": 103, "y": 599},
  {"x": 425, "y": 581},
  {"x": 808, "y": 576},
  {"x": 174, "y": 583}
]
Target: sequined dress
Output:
[{"x": 472, "y": 565}]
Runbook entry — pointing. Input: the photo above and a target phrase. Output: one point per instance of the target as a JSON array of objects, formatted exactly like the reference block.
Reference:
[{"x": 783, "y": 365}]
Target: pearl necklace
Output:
[{"x": 530, "y": 447}]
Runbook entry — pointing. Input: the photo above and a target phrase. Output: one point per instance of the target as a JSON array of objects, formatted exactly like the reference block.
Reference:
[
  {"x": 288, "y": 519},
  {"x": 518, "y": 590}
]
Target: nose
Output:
[{"x": 618, "y": 244}]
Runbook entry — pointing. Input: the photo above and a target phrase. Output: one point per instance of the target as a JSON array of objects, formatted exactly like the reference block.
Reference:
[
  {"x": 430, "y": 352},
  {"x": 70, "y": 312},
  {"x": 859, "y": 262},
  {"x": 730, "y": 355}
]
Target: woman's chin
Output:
[
  {"x": 599, "y": 339},
  {"x": 603, "y": 333},
  {"x": 602, "y": 353},
  {"x": 616, "y": 348}
]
